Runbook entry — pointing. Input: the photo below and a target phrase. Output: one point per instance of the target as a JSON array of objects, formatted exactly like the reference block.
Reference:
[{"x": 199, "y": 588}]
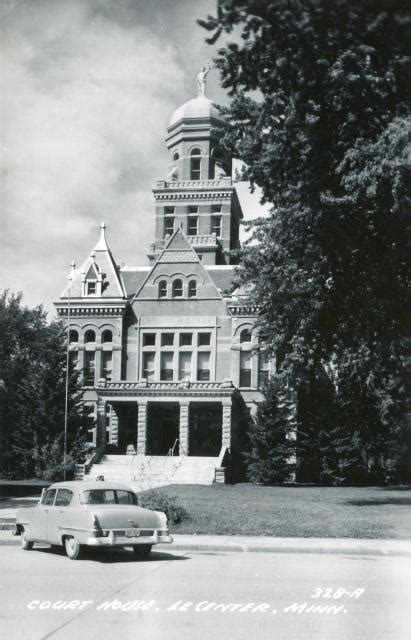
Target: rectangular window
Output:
[
  {"x": 166, "y": 366},
  {"x": 195, "y": 169},
  {"x": 91, "y": 288},
  {"x": 216, "y": 225},
  {"x": 149, "y": 365},
  {"x": 192, "y": 225},
  {"x": 73, "y": 357},
  {"x": 167, "y": 339},
  {"x": 184, "y": 368},
  {"x": 168, "y": 225},
  {"x": 204, "y": 339},
  {"x": 149, "y": 339},
  {"x": 90, "y": 410},
  {"x": 186, "y": 339},
  {"x": 203, "y": 366},
  {"x": 169, "y": 211},
  {"x": 263, "y": 370},
  {"x": 89, "y": 368},
  {"x": 106, "y": 365},
  {"x": 193, "y": 209},
  {"x": 216, "y": 208},
  {"x": 245, "y": 368}
]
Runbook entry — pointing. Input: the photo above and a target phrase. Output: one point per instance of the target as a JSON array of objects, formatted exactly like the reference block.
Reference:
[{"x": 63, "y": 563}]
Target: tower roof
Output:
[
  {"x": 200, "y": 107},
  {"x": 100, "y": 263}
]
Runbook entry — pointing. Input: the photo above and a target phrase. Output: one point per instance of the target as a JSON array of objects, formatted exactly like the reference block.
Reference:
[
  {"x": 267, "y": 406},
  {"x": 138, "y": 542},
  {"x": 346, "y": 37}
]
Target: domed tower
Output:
[{"x": 198, "y": 194}]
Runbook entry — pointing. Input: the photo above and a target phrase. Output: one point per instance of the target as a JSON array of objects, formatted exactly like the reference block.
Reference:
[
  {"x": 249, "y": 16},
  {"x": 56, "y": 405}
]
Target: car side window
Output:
[
  {"x": 49, "y": 497},
  {"x": 126, "y": 497},
  {"x": 64, "y": 497}
]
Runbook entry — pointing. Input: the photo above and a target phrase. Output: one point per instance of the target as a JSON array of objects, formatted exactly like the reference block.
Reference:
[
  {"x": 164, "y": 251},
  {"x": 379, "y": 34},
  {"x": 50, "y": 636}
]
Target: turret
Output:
[{"x": 197, "y": 194}]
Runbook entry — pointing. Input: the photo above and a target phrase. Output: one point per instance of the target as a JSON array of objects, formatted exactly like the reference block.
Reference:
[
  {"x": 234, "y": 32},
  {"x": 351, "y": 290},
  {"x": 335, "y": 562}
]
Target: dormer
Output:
[{"x": 92, "y": 280}]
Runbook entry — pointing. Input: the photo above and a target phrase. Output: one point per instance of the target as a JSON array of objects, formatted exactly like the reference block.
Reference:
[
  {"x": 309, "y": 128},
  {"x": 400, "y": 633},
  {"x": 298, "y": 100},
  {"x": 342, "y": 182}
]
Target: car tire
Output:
[
  {"x": 25, "y": 543},
  {"x": 72, "y": 547},
  {"x": 142, "y": 551}
]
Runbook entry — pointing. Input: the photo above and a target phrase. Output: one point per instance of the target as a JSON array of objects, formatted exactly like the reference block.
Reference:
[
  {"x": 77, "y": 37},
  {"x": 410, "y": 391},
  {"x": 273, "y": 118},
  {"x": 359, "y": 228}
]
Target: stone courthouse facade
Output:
[{"x": 168, "y": 354}]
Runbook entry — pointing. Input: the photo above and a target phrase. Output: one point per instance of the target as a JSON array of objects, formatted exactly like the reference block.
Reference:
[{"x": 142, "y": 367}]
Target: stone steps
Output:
[{"x": 155, "y": 470}]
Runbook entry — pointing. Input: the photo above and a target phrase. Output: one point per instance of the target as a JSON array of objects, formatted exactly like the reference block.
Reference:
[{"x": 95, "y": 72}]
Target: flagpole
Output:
[{"x": 67, "y": 371}]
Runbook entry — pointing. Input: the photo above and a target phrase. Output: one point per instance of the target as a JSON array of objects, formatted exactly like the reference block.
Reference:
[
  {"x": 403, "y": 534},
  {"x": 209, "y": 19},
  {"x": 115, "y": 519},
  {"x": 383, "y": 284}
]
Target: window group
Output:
[
  {"x": 177, "y": 288},
  {"x": 90, "y": 359},
  {"x": 214, "y": 226},
  {"x": 177, "y": 356}
]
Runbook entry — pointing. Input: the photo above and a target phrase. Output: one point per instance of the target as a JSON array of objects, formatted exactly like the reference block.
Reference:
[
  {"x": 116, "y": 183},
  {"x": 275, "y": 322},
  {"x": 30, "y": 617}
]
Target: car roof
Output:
[{"x": 84, "y": 485}]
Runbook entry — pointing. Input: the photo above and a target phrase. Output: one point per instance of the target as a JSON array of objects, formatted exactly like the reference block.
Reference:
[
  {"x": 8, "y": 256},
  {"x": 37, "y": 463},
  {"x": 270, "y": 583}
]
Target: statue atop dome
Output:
[{"x": 201, "y": 80}]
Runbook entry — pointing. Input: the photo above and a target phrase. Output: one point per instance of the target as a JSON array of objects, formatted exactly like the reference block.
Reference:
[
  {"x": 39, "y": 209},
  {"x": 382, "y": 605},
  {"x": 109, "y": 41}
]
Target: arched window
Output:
[
  {"x": 162, "y": 289},
  {"x": 192, "y": 289},
  {"x": 195, "y": 164},
  {"x": 107, "y": 336},
  {"x": 90, "y": 336},
  {"x": 245, "y": 335},
  {"x": 176, "y": 155},
  {"x": 73, "y": 336},
  {"x": 177, "y": 288}
]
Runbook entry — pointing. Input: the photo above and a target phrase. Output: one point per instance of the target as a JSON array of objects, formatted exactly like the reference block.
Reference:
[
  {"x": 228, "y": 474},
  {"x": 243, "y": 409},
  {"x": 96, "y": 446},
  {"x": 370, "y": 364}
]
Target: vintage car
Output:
[{"x": 81, "y": 514}]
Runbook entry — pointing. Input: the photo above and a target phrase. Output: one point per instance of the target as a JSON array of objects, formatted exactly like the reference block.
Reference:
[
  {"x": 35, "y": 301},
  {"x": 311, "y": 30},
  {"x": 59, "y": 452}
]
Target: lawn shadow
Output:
[
  {"x": 374, "y": 502},
  {"x": 111, "y": 556}
]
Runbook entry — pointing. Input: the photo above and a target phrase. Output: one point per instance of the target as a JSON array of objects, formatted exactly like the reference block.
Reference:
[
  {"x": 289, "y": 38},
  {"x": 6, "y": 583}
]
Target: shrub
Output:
[{"x": 160, "y": 501}]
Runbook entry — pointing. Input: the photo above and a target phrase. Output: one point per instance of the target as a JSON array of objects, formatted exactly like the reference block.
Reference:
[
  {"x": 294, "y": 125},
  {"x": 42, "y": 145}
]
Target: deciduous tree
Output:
[
  {"x": 33, "y": 397},
  {"x": 319, "y": 115}
]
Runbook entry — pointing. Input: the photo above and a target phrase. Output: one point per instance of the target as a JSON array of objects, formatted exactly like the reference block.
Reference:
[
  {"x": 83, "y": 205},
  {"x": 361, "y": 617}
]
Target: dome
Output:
[{"x": 200, "y": 107}]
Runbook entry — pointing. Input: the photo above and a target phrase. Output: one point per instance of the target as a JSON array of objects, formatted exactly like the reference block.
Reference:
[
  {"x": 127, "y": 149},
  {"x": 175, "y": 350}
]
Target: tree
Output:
[
  {"x": 319, "y": 116},
  {"x": 33, "y": 400},
  {"x": 269, "y": 459}
]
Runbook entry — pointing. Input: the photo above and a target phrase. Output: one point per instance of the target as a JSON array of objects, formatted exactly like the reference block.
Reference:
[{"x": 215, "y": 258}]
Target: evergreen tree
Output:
[
  {"x": 315, "y": 413},
  {"x": 319, "y": 115},
  {"x": 270, "y": 458}
]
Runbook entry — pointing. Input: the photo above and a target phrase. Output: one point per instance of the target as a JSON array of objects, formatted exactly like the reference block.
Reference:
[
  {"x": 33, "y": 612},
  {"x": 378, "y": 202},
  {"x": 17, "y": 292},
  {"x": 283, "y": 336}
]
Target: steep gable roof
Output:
[
  {"x": 178, "y": 251},
  {"x": 100, "y": 263}
]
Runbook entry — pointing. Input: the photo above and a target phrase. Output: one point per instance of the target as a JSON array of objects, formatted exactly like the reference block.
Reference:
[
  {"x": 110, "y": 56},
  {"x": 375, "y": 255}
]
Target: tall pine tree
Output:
[{"x": 270, "y": 458}]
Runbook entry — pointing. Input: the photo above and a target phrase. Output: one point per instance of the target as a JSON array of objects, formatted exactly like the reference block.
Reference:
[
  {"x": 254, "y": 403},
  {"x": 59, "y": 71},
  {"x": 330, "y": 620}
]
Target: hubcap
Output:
[{"x": 71, "y": 545}]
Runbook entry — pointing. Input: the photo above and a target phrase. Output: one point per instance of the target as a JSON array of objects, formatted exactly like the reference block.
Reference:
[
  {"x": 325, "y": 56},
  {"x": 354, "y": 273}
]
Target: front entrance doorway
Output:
[
  {"x": 127, "y": 425},
  {"x": 163, "y": 428},
  {"x": 205, "y": 430}
]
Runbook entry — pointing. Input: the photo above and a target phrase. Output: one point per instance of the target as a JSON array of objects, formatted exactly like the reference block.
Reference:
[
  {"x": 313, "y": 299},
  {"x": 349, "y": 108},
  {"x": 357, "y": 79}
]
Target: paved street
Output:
[{"x": 203, "y": 595}]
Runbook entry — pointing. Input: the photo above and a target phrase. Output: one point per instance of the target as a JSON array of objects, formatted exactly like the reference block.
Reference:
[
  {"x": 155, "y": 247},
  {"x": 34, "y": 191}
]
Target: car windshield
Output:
[{"x": 108, "y": 496}]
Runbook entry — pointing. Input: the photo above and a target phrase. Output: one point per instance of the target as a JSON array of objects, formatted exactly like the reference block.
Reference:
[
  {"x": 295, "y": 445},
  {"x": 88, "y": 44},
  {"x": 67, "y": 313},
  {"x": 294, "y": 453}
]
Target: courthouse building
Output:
[{"x": 167, "y": 352}]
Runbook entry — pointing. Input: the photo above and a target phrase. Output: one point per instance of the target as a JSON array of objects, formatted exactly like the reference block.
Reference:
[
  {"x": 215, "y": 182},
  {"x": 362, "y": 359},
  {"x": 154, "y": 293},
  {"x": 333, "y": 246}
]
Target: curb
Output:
[
  {"x": 227, "y": 544},
  {"x": 273, "y": 548}
]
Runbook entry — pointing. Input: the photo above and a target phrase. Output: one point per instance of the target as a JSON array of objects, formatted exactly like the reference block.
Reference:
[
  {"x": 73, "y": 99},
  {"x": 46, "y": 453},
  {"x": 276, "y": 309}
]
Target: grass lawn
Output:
[{"x": 246, "y": 509}]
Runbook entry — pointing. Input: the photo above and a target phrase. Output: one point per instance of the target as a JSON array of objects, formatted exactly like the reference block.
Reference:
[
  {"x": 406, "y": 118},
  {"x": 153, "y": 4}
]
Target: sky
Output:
[{"x": 88, "y": 89}]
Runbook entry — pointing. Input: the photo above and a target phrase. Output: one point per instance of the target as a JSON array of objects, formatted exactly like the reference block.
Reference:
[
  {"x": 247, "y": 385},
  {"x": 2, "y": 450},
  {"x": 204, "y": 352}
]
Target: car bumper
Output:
[{"x": 113, "y": 540}]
